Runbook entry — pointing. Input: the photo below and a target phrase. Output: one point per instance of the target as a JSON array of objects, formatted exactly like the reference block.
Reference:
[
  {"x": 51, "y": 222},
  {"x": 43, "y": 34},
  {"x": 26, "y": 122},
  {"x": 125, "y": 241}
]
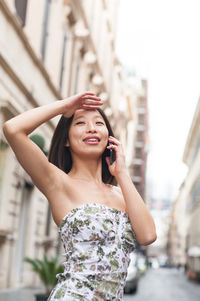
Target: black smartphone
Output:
[{"x": 111, "y": 154}]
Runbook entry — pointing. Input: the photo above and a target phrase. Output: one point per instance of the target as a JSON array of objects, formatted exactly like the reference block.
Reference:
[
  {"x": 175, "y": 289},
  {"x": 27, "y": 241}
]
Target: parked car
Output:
[
  {"x": 133, "y": 275},
  {"x": 142, "y": 265},
  {"x": 154, "y": 263}
]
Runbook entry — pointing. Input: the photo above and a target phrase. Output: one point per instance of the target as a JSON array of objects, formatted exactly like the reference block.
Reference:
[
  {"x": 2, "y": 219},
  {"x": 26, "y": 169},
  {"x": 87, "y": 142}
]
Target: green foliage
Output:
[
  {"x": 3, "y": 145},
  {"x": 40, "y": 141},
  {"x": 46, "y": 270}
]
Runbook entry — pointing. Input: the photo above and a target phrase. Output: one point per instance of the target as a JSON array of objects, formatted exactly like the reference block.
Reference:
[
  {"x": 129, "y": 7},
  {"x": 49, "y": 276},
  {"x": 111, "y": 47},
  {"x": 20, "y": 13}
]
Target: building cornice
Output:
[
  {"x": 20, "y": 85},
  {"x": 13, "y": 20},
  {"x": 91, "y": 42}
]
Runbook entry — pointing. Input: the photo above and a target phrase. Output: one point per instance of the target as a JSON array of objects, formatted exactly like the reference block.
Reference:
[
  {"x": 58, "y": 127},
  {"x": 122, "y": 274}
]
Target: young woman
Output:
[{"x": 98, "y": 222}]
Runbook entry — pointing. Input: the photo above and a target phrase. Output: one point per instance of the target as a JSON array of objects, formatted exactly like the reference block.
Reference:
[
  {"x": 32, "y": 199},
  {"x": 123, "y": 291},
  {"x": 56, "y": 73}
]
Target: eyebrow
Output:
[{"x": 81, "y": 116}]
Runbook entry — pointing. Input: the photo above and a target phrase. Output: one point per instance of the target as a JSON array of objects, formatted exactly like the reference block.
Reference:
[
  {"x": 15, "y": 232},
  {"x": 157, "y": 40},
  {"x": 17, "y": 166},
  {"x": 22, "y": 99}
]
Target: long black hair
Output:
[{"x": 60, "y": 155}]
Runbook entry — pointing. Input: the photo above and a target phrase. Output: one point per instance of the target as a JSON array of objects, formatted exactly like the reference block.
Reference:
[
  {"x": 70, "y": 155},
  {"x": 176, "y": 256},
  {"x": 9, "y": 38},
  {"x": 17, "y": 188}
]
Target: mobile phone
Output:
[{"x": 111, "y": 155}]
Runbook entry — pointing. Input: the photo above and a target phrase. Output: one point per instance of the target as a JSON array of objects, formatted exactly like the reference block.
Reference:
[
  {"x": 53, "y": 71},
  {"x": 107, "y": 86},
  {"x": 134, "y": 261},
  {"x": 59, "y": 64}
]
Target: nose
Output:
[{"x": 91, "y": 128}]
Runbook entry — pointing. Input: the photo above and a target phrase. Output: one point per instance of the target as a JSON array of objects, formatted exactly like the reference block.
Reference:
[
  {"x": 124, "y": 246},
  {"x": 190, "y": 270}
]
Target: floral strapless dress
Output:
[{"x": 98, "y": 241}]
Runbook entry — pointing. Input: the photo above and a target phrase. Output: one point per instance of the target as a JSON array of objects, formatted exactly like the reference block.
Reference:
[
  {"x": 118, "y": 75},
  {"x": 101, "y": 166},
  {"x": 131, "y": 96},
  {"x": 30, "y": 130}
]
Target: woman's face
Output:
[{"x": 88, "y": 134}]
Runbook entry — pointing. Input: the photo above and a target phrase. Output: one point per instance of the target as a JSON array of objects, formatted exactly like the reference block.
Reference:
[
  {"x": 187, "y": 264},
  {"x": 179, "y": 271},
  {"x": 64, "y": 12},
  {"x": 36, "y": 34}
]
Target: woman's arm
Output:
[
  {"x": 29, "y": 155},
  {"x": 28, "y": 121},
  {"x": 141, "y": 220},
  {"x": 43, "y": 173}
]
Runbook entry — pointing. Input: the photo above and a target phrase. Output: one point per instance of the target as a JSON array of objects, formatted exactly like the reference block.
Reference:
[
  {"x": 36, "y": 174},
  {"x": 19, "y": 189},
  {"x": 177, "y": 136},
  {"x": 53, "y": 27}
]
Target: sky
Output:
[{"x": 160, "y": 41}]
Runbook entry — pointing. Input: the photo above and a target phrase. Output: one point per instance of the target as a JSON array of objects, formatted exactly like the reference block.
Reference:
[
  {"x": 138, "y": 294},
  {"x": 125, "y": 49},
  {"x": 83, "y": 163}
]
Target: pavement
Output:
[
  {"x": 165, "y": 284},
  {"x": 20, "y": 294}
]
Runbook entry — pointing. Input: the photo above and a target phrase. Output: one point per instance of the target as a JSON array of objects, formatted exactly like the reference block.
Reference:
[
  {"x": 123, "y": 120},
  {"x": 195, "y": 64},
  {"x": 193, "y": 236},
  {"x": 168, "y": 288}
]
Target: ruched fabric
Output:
[{"x": 98, "y": 241}]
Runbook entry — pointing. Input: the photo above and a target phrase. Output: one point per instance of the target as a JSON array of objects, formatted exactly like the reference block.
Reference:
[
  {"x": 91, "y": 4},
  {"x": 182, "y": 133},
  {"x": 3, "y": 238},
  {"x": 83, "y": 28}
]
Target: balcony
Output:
[
  {"x": 140, "y": 128},
  {"x": 141, "y": 110},
  {"x": 139, "y": 144},
  {"x": 137, "y": 161},
  {"x": 137, "y": 179}
]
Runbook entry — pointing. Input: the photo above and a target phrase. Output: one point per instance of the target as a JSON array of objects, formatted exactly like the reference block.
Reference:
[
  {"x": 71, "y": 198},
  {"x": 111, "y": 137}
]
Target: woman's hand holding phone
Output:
[{"x": 118, "y": 166}]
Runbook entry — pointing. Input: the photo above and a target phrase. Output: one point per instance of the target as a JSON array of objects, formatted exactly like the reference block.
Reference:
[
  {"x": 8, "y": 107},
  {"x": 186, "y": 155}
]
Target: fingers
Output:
[
  {"x": 114, "y": 140},
  {"x": 91, "y": 97},
  {"x": 87, "y": 107},
  {"x": 113, "y": 146},
  {"x": 86, "y": 93},
  {"x": 90, "y": 102},
  {"x": 116, "y": 145},
  {"x": 107, "y": 160}
]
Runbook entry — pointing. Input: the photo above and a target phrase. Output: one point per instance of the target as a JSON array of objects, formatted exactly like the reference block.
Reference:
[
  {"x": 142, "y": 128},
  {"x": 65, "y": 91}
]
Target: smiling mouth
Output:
[{"x": 91, "y": 140}]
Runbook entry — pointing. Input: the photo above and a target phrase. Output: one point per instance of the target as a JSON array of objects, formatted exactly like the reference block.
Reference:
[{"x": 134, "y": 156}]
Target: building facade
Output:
[
  {"x": 134, "y": 111},
  {"x": 184, "y": 237},
  {"x": 50, "y": 49},
  {"x": 135, "y": 108}
]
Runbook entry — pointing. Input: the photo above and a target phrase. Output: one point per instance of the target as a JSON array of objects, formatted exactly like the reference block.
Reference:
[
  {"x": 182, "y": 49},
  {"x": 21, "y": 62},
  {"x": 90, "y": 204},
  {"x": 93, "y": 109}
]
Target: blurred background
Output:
[{"x": 142, "y": 58}]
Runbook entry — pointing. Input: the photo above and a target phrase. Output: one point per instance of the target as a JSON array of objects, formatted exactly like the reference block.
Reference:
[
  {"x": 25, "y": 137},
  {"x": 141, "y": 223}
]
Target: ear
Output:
[{"x": 67, "y": 144}]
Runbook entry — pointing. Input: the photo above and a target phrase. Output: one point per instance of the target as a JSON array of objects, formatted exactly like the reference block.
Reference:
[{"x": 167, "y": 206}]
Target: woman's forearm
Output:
[
  {"x": 141, "y": 220},
  {"x": 28, "y": 121}
]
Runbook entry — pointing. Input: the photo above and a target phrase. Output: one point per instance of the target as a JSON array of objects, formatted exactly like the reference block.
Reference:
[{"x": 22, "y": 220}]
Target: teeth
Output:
[{"x": 92, "y": 139}]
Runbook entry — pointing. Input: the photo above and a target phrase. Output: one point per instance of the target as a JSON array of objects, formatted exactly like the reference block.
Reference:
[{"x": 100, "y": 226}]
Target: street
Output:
[{"x": 167, "y": 285}]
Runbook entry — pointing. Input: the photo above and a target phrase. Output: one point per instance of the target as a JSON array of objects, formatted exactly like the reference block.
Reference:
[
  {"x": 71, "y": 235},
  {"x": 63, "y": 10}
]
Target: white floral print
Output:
[{"x": 98, "y": 241}]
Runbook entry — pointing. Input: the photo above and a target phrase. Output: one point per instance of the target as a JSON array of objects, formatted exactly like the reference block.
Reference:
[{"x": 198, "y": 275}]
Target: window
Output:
[
  {"x": 137, "y": 171},
  {"x": 21, "y": 6},
  {"x": 76, "y": 77},
  {"x": 63, "y": 60},
  {"x": 138, "y": 152},
  {"x": 45, "y": 29},
  {"x": 142, "y": 102},
  {"x": 141, "y": 119},
  {"x": 48, "y": 222},
  {"x": 140, "y": 136},
  {"x": 23, "y": 238}
]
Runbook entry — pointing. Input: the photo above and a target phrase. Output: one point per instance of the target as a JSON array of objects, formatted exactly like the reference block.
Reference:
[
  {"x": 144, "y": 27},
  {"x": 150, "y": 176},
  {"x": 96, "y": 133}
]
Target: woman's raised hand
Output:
[{"x": 86, "y": 100}]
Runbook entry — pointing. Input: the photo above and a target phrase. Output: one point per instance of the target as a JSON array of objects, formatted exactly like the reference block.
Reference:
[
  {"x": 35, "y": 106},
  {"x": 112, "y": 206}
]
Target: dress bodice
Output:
[{"x": 97, "y": 240}]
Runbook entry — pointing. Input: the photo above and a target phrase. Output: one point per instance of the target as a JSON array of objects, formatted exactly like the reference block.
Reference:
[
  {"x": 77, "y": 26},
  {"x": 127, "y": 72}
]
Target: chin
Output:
[{"x": 92, "y": 154}]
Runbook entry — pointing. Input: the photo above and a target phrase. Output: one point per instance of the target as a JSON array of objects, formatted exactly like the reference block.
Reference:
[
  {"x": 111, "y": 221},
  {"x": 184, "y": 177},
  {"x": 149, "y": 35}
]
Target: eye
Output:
[
  {"x": 80, "y": 122},
  {"x": 99, "y": 122}
]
